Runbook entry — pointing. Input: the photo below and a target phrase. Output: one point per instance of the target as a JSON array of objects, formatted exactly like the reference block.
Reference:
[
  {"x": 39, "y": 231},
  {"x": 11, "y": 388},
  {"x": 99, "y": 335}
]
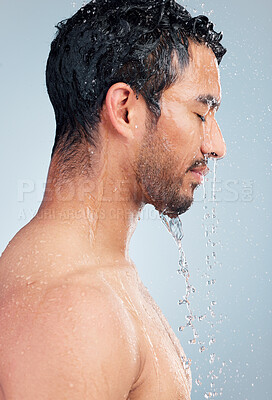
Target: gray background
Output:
[{"x": 241, "y": 262}]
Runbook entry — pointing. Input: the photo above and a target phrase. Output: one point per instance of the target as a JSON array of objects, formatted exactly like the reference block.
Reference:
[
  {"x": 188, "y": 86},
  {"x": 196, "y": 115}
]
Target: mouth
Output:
[{"x": 199, "y": 173}]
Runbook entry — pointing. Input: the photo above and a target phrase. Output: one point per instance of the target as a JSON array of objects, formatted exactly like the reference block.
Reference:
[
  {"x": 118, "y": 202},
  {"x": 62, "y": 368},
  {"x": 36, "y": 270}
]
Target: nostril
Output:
[{"x": 213, "y": 154}]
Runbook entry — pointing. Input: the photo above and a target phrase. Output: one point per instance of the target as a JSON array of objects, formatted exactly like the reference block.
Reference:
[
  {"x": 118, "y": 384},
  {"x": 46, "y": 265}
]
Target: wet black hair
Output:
[{"x": 110, "y": 41}]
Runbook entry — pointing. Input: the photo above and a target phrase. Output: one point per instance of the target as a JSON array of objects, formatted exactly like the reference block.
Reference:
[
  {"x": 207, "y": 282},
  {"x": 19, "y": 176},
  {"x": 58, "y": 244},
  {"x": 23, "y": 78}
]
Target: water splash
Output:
[
  {"x": 174, "y": 226},
  {"x": 210, "y": 223},
  {"x": 214, "y": 180}
]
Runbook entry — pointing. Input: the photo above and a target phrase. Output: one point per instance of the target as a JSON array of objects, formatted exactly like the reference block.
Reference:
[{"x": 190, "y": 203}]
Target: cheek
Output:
[
  {"x": 180, "y": 137},
  {"x": 179, "y": 127}
]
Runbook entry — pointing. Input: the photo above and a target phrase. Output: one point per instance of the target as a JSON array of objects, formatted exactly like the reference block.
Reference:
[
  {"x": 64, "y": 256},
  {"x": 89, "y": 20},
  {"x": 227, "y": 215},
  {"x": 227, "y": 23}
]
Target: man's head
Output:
[
  {"x": 149, "y": 47},
  {"x": 172, "y": 159}
]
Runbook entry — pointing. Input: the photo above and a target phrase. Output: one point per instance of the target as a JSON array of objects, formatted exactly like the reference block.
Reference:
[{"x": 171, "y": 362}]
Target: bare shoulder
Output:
[
  {"x": 80, "y": 343},
  {"x": 86, "y": 305}
]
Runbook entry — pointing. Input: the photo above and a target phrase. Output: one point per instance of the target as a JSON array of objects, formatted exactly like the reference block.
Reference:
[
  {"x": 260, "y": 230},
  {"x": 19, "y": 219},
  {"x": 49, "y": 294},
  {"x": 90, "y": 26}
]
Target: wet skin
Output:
[{"x": 76, "y": 321}]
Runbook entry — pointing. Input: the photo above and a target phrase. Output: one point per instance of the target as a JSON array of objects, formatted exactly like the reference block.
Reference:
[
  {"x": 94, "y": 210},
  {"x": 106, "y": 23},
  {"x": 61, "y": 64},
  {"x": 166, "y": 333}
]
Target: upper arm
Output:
[{"x": 83, "y": 347}]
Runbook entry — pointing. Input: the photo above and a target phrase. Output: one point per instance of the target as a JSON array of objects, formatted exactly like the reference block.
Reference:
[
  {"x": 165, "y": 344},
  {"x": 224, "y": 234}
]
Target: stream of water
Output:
[{"x": 210, "y": 224}]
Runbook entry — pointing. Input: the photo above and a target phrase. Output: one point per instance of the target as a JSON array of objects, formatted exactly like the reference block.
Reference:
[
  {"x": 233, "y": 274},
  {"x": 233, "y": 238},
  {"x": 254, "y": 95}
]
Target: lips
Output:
[
  {"x": 200, "y": 170},
  {"x": 199, "y": 173}
]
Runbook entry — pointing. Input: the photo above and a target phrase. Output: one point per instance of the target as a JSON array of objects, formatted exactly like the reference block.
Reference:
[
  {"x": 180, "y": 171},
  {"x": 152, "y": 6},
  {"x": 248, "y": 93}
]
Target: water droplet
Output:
[
  {"x": 212, "y": 358},
  {"x": 181, "y": 328},
  {"x": 212, "y": 341},
  {"x": 184, "y": 301}
]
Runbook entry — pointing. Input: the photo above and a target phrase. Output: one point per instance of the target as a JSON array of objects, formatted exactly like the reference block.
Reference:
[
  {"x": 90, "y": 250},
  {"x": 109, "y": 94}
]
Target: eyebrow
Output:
[{"x": 209, "y": 100}]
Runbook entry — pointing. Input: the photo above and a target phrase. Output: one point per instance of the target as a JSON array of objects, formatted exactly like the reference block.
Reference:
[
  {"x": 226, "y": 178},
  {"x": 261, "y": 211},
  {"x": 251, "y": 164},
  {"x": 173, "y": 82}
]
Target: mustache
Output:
[{"x": 198, "y": 163}]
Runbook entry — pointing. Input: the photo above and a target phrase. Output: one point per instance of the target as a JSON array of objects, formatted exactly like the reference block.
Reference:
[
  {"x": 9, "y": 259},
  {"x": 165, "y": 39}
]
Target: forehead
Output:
[{"x": 200, "y": 78}]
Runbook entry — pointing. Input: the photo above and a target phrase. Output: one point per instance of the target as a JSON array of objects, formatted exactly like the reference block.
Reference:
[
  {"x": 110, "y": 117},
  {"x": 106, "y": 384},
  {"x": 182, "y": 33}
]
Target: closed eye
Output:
[{"x": 203, "y": 119}]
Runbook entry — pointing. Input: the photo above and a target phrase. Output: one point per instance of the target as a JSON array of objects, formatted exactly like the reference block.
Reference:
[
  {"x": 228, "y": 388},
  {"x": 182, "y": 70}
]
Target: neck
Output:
[{"x": 99, "y": 209}]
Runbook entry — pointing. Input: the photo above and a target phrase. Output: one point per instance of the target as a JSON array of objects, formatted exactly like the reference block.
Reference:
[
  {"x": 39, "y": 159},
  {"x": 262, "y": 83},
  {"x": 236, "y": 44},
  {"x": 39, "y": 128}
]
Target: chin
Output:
[
  {"x": 175, "y": 208},
  {"x": 168, "y": 197}
]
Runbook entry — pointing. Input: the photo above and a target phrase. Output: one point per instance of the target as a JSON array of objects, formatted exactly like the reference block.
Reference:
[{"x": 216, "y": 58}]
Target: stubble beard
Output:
[{"x": 156, "y": 174}]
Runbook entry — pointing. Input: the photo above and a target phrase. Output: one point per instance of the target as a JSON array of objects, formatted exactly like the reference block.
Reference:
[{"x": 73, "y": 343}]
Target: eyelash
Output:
[{"x": 203, "y": 119}]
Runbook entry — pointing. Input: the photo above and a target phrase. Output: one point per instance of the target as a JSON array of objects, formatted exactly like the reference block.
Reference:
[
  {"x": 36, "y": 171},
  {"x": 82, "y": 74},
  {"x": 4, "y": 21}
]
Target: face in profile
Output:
[{"x": 172, "y": 158}]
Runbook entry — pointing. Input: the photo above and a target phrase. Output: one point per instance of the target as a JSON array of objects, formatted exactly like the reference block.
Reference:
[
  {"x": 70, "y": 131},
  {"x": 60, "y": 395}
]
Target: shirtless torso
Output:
[
  {"x": 56, "y": 325},
  {"x": 76, "y": 323}
]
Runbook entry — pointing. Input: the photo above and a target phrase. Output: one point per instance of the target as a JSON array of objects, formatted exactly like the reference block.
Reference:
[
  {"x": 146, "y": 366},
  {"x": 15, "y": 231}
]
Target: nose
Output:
[{"x": 213, "y": 143}]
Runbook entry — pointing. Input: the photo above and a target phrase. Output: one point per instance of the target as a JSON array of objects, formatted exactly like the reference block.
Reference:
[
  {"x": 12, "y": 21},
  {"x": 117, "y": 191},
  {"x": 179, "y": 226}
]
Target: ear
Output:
[{"x": 121, "y": 108}]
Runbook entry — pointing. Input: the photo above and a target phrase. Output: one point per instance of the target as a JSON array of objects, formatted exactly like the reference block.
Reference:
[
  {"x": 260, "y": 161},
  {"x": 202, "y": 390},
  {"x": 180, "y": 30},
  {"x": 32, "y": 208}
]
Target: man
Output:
[{"x": 135, "y": 87}]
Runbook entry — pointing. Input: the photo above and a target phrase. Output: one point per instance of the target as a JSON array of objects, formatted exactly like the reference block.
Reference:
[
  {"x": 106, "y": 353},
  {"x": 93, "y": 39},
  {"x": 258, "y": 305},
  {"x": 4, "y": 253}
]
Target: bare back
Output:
[{"x": 56, "y": 327}]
